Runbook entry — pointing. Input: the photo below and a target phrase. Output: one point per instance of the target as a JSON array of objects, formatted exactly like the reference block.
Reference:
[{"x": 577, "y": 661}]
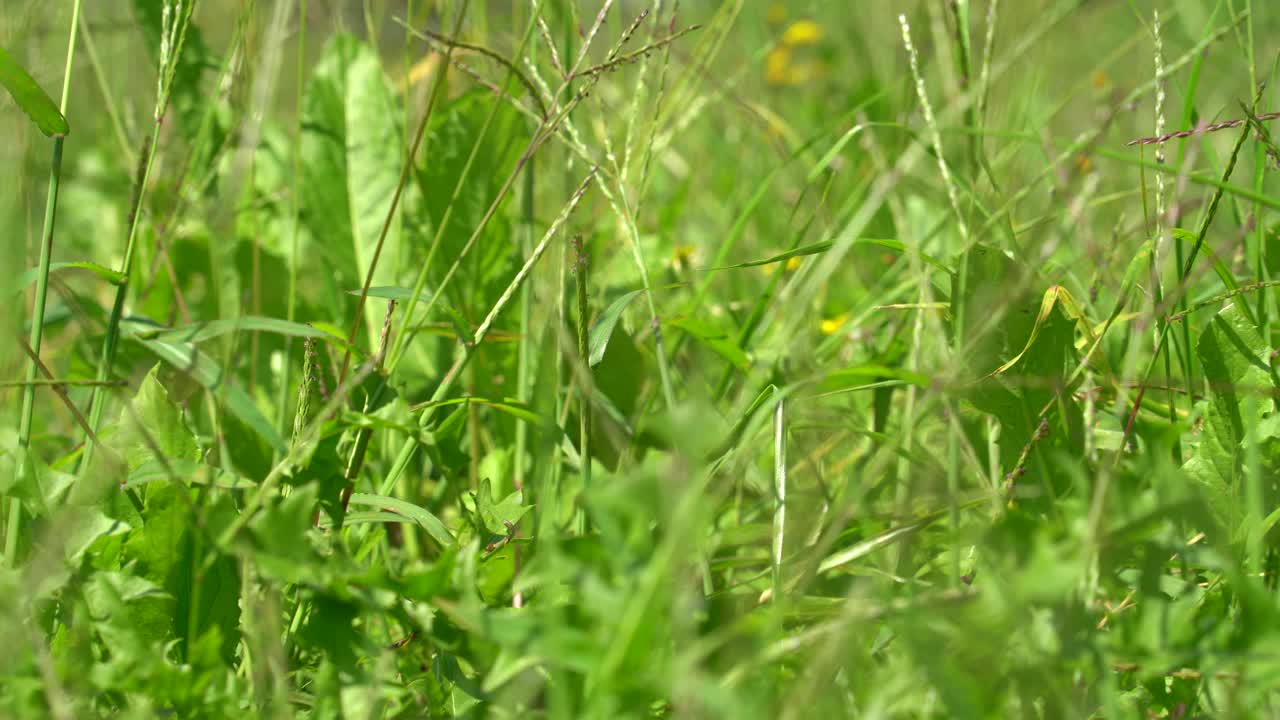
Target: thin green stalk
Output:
[
  {"x": 108, "y": 97},
  {"x": 779, "y": 494},
  {"x": 405, "y": 172},
  {"x": 1157, "y": 285},
  {"x": 585, "y": 386},
  {"x": 1185, "y": 352},
  {"x": 524, "y": 373},
  {"x": 402, "y": 333},
  {"x": 176, "y": 32},
  {"x": 1185, "y": 272},
  {"x": 26, "y": 469},
  {"x": 411, "y": 444},
  {"x": 291, "y": 308},
  {"x": 355, "y": 461}
]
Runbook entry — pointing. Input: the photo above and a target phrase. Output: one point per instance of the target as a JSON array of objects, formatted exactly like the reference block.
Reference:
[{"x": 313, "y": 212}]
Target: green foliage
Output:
[
  {"x": 890, "y": 413},
  {"x": 1239, "y": 420},
  {"x": 30, "y": 97},
  {"x": 351, "y": 158}
]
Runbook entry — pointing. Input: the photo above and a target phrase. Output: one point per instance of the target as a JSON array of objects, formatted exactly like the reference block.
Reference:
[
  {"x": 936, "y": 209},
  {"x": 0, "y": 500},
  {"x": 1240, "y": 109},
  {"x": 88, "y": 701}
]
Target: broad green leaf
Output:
[
  {"x": 1019, "y": 352},
  {"x": 152, "y": 429},
  {"x": 1055, "y": 298},
  {"x": 280, "y": 542},
  {"x": 167, "y": 552},
  {"x": 870, "y": 545},
  {"x": 330, "y": 630},
  {"x": 351, "y": 164},
  {"x": 603, "y": 327},
  {"x": 30, "y": 97},
  {"x": 618, "y": 378},
  {"x": 457, "y": 148},
  {"x": 1241, "y": 385},
  {"x": 994, "y": 307},
  {"x": 864, "y": 377},
  {"x": 324, "y": 470},
  {"x": 367, "y": 517},
  {"x": 188, "y": 359},
  {"x": 421, "y": 516},
  {"x": 403, "y": 294}
]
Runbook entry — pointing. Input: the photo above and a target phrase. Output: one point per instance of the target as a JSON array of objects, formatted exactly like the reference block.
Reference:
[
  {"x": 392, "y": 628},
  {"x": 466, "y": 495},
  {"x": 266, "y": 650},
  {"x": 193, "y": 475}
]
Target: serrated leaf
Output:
[
  {"x": 30, "y": 97},
  {"x": 1236, "y": 364}
]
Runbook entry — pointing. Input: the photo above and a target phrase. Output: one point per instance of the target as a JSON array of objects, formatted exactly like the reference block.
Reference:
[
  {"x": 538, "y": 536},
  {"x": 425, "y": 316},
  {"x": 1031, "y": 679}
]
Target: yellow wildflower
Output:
[
  {"x": 681, "y": 255},
  {"x": 777, "y": 66},
  {"x": 802, "y": 32},
  {"x": 789, "y": 266},
  {"x": 831, "y": 326},
  {"x": 1099, "y": 79},
  {"x": 420, "y": 71}
]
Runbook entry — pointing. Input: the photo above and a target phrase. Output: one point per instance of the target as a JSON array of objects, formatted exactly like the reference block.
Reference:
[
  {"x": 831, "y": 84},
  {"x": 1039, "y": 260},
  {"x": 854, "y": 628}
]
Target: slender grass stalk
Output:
[
  {"x": 410, "y": 446},
  {"x": 931, "y": 122},
  {"x": 779, "y": 494},
  {"x": 1185, "y": 272},
  {"x": 925, "y": 287},
  {"x": 26, "y": 467},
  {"x": 585, "y": 385},
  {"x": 1259, "y": 181},
  {"x": 108, "y": 97},
  {"x": 295, "y": 223},
  {"x": 546, "y": 131},
  {"x": 524, "y": 359},
  {"x": 174, "y": 33},
  {"x": 355, "y": 461},
  {"x": 1157, "y": 285}
]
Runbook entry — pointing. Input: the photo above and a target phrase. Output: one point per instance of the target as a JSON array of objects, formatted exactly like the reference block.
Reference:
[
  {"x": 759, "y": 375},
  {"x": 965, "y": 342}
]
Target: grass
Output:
[{"x": 640, "y": 359}]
